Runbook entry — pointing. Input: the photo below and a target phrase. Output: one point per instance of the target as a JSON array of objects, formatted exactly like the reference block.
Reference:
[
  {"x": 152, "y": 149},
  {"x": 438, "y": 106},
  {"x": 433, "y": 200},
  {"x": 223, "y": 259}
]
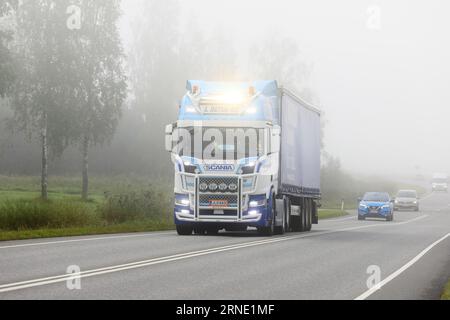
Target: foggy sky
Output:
[{"x": 384, "y": 87}]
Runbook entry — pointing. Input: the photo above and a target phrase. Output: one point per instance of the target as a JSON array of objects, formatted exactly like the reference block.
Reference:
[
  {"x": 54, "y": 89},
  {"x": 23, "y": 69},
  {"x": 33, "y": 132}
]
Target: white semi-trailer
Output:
[{"x": 245, "y": 155}]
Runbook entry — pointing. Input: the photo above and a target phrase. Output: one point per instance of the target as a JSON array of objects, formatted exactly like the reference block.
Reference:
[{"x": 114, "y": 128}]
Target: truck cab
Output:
[{"x": 225, "y": 148}]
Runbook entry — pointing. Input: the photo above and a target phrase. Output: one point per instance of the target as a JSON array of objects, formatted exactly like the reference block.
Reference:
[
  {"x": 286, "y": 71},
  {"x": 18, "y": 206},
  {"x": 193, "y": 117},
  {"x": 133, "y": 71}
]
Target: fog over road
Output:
[{"x": 329, "y": 263}]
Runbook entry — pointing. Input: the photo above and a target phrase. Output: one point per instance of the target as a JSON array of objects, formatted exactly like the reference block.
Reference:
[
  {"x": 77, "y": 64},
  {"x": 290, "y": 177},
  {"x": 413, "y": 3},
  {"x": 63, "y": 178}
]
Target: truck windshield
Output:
[
  {"x": 212, "y": 143},
  {"x": 377, "y": 197},
  {"x": 440, "y": 180}
]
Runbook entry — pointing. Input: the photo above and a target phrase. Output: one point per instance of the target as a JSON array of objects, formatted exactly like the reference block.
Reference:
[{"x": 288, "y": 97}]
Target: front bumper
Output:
[
  {"x": 222, "y": 208},
  {"x": 381, "y": 213},
  {"x": 405, "y": 206}
]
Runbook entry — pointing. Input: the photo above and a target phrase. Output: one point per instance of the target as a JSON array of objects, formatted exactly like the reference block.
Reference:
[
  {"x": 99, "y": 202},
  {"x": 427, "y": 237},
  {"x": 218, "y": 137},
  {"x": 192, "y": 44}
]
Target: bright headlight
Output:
[
  {"x": 363, "y": 206},
  {"x": 258, "y": 203}
]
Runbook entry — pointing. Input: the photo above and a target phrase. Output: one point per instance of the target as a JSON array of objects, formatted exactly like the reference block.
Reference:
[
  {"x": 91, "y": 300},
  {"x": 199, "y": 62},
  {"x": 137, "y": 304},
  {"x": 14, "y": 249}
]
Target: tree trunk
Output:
[
  {"x": 85, "y": 169},
  {"x": 44, "y": 177}
]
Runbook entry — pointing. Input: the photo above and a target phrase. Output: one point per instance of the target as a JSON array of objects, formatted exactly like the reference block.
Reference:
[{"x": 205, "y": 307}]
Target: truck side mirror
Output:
[
  {"x": 275, "y": 143},
  {"x": 169, "y": 138}
]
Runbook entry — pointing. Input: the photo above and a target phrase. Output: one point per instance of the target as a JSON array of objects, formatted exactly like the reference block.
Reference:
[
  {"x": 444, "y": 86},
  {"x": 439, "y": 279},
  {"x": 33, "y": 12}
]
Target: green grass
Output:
[
  {"x": 116, "y": 205},
  {"x": 446, "y": 294},
  {"x": 129, "y": 227},
  {"x": 331, "y": 213}
]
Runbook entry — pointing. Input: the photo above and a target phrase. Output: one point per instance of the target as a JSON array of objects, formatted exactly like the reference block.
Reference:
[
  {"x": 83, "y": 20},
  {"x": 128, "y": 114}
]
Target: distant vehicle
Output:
[
  {"x": 440, "y": 182},
  {"x": 407, "y": 200},
  {"x": 376, "y": 205}
]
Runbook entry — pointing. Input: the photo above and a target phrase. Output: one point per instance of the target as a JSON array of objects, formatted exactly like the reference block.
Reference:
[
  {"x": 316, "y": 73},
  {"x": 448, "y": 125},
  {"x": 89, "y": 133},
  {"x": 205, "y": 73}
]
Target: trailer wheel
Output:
[
  {"x": 309, "y": 213},
  {"x": 304, "y": 215},
  {"x": 287, "y": 211},
  {"x": 315, "y": 213},
  {"x": 280, "y": 230},
  {"x": 184, "y": 230}
]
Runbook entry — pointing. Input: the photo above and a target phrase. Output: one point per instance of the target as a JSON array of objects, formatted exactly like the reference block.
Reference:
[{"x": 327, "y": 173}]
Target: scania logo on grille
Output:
[{"x": 219, "y": 167}]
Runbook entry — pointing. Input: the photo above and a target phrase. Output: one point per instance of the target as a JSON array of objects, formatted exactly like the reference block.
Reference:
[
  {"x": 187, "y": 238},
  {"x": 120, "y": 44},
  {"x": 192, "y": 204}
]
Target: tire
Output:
[
  {"x": 361, "y": 218},
  {"x": 280, "y": 230},
  {"x": 296, "y": 221},
  {"x": 184, "y": 230},
  {"x": 308, "y": 218},
  {"x": 270, "y": 230},
  {"x": 287, "y": 209}
]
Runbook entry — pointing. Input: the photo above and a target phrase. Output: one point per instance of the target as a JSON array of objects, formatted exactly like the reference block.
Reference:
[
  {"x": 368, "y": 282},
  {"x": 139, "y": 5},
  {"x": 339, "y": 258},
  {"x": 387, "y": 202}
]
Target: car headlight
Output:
[
  {"x": 363, "y": 206},
  {"x": 386, "y": 206}
]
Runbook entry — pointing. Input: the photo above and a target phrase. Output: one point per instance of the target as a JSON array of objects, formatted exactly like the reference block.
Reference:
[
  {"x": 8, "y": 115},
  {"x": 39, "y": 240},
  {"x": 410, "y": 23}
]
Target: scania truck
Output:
[{"x": 246, "y": 155}]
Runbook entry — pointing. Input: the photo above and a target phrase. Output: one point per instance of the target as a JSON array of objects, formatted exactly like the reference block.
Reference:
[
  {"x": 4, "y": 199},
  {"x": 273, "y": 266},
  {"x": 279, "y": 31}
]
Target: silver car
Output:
[{"x": 407, "y": 200}]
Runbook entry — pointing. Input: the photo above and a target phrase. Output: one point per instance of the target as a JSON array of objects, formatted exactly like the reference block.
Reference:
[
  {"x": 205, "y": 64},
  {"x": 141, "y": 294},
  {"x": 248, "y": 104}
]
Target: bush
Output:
[
  {"x": 147, "y": 204},
  {"x": 37, "y": 214}
]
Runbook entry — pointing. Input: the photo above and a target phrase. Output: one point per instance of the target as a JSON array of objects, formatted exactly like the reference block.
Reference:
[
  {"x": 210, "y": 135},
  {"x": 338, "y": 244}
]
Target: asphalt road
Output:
[{"x": 412, "y": 255}]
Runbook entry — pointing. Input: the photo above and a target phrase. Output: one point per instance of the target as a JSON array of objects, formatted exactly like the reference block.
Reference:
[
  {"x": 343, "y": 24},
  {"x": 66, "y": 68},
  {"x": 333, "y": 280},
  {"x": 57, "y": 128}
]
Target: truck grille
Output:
[
  {"x": 219, "y": 185},
  {"x": 226, "y": 213},
  {"x": 219, "y": 201}
]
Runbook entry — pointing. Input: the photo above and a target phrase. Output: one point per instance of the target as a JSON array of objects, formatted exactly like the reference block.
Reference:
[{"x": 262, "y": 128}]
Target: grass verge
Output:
[
  {"x": 331, "y": 213},
  {"x": 129, "y": 227},
  {"x": 446, "y": 294}
]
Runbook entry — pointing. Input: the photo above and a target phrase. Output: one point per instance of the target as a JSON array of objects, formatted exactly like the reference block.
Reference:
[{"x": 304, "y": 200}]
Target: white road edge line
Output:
[
  {"x": 35, "y": 244},
  {"x": 90, "y": 273},
  {"x": 370, "y": 292}
]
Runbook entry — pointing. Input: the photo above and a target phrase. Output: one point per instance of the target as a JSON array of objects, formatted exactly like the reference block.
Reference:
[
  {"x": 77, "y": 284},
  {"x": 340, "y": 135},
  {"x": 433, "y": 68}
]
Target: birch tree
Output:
[{"x": 101, "y": 80}]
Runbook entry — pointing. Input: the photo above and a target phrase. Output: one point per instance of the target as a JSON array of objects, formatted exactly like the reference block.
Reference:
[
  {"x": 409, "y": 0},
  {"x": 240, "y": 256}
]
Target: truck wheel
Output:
[
  {"x": 267, "y": 231},
  {"x": 184, "y": 230},
  {"x": 287, "y": 209},
  {"x": 315, "y": 213},
  {"x": 270, "y": 230},
  {"x": 304, "y": 215},
  {"x": 296, "y": 221},
  {"x": 309, "y": 212}
]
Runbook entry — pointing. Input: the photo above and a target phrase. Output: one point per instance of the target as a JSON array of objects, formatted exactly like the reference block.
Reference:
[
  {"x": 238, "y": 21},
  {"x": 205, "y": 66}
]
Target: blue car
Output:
[{"x": 376, "y": 205}]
